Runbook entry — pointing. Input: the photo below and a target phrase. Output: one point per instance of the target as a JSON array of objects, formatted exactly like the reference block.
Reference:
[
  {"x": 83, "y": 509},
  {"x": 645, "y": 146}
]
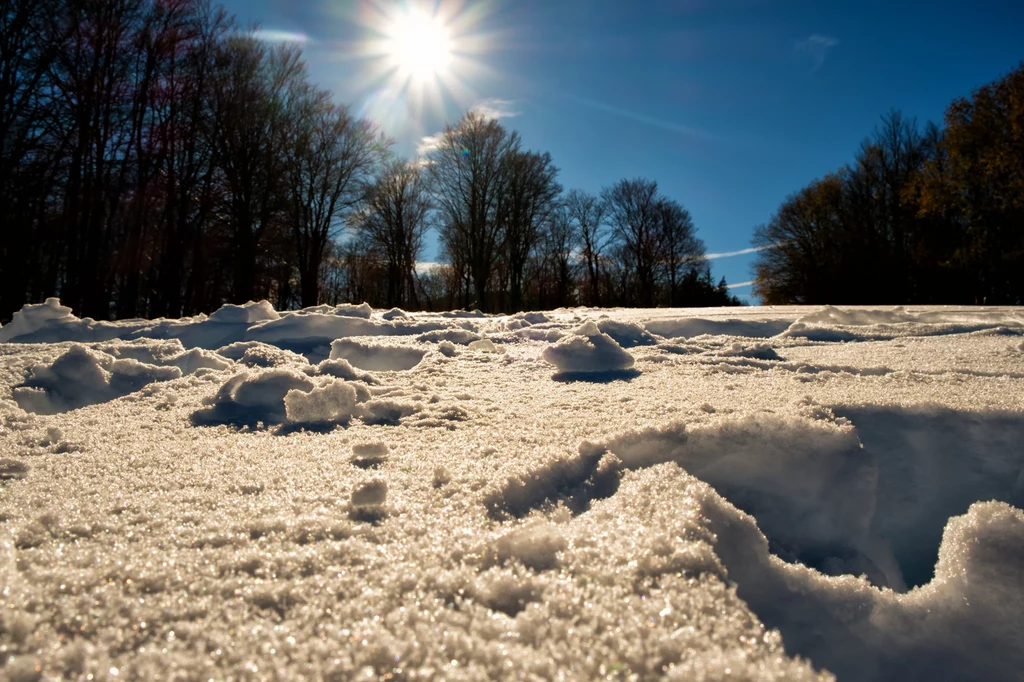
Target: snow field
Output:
[{"x": 727, "y": 505}]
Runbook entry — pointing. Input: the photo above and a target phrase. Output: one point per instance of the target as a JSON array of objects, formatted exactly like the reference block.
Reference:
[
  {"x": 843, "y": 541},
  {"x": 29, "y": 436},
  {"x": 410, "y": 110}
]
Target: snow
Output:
[
  {"x": 588, "y": 350},
  {"x": 758, "y": 494},
  {"x": 376, "y": 357}
]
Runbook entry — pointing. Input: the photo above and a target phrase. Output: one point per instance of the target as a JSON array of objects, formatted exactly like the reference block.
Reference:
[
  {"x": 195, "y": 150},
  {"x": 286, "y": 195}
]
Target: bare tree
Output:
[
  {"x": 586, "y": 212},
  {"x": 394, "y": 221},
  {"x": 328, "y": 167},
  {"x": 469, "y": 176},
  {"x": 251, "y": 98},
  {"x": 527, "y": 203},
  {"x": 634, "y": 217},
  {"x": 682, "y": 253}
]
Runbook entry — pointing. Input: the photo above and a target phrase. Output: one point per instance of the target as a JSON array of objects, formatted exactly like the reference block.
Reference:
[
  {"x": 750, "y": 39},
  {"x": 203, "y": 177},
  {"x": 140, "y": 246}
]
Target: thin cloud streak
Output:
[
  {"x": 494, "y": 108},
  {"x": 649, "y": 120},
  {"x": 816, "y": 47},
  {"x": 270, "y": 35},
  {"x": 741, "y": 252},
  {"x": 740, "y": 285}
]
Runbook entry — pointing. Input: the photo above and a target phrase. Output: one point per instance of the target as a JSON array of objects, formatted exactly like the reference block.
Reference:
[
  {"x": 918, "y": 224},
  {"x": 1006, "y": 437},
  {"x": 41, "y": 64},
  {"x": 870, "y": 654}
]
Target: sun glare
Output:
[{"x": 420, "y": 46}]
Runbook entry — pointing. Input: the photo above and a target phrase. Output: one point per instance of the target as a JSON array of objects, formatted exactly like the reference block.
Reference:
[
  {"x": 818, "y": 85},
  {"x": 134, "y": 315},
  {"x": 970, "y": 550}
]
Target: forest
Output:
[
  {"x": 931, "y": 215},
  {"x": 158, "y": 160}
]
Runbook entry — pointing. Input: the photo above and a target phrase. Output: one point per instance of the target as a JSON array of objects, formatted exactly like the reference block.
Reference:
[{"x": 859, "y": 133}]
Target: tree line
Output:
[
  {"x": 158, "y": 160},
  {"x": 922, "y": 215}
]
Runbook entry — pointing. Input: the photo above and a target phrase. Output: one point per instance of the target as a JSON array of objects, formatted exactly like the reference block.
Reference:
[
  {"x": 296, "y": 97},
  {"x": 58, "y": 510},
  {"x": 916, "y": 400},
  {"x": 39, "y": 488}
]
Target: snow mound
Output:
[
  {"x": 83, "y": 377},
  {"x": 34, "y": 317},
  {"x": 262, "y": 355},
  {"x": 376, "y": 358},
  {"x": 546, "y": 335},
  {"x": 536, "y": 546},
  {"x": 757, "y": 351},
  {"x": 462, "y": 337},
  {"x": 249, "y": 398},
  {"x": 588, "y": 350},
  {"x": 626, "y": 334},
  {"x": 168, "y": 353},
  {"x": 394, "y": 314},
  {"x": 253, "y": 311},
  {"x": 342, "y": 369},
  {"x": 688, "y": 327}
]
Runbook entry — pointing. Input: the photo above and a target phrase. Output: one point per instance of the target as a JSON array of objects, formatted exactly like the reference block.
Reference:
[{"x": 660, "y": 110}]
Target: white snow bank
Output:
[
  {"x": 376, "y": 358},
  {"x": 756, "y": 351},
  {"x": 836, "y": 324},
  {"x": 34, "y": 317},
  {"x": 687, "y": 327},
  {"x": 588, "y": 350},
  {"x": 253, "y": 311},
  {"x": 83, "y": 377}
]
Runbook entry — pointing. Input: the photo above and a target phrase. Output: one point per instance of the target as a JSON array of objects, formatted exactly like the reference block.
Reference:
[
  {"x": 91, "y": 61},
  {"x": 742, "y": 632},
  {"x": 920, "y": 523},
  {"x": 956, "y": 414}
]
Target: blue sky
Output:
[{"x": 730, "y": 105}]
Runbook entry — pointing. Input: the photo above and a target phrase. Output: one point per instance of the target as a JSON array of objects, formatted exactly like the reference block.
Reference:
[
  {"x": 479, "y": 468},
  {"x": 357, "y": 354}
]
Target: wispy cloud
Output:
[
  {"x": 495, "y": 108},
  {"x": 270, "y": 35},
  {"x": 648, "y": 120},
  {"x": 491, "y": 108},
  {"x": 741, "y": 252},
  {"x": 428, "y": 143},
  {"x": 816, "y": 47},
  {"x": 741, "y": 285}
]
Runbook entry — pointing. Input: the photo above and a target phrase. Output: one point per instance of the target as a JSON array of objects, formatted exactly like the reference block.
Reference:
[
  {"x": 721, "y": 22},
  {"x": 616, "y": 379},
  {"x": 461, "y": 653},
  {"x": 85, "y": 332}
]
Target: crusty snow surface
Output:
[{"x": 349, "y": 494}]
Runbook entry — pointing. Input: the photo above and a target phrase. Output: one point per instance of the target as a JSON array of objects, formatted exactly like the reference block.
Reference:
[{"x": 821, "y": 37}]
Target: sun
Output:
[{"x": 419, "y": 46}]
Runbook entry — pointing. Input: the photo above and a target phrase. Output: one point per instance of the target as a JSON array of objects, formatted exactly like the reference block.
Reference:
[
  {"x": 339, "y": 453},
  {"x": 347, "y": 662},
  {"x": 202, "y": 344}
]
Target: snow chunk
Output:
[
  {"x": 12, "y": 469},
  {"x": 83, "y": 377},
  {"x": 447, "y": 349},
  {"x": 330, "y": 404},
  {"x": 394, "y": 314},
  {"x": 376, "y": 358},
  {"x": 363, "y": 310},
  {"x": 484, "y": 346},
  {"x": 386, "y": 412},
  {"x": 370, "y": 494},
  {"x": 250, "y": 312},
  {"x": 32, "y": 318},
  {"x": 369, "y": 455},
  {"x": 460, "y": 336},
  {"x": 588, "y": 350}
]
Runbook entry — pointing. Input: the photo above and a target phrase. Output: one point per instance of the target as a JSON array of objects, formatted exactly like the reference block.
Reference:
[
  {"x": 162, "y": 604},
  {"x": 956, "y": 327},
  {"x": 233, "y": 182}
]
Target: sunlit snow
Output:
[{"x": 341, "y": 493}]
